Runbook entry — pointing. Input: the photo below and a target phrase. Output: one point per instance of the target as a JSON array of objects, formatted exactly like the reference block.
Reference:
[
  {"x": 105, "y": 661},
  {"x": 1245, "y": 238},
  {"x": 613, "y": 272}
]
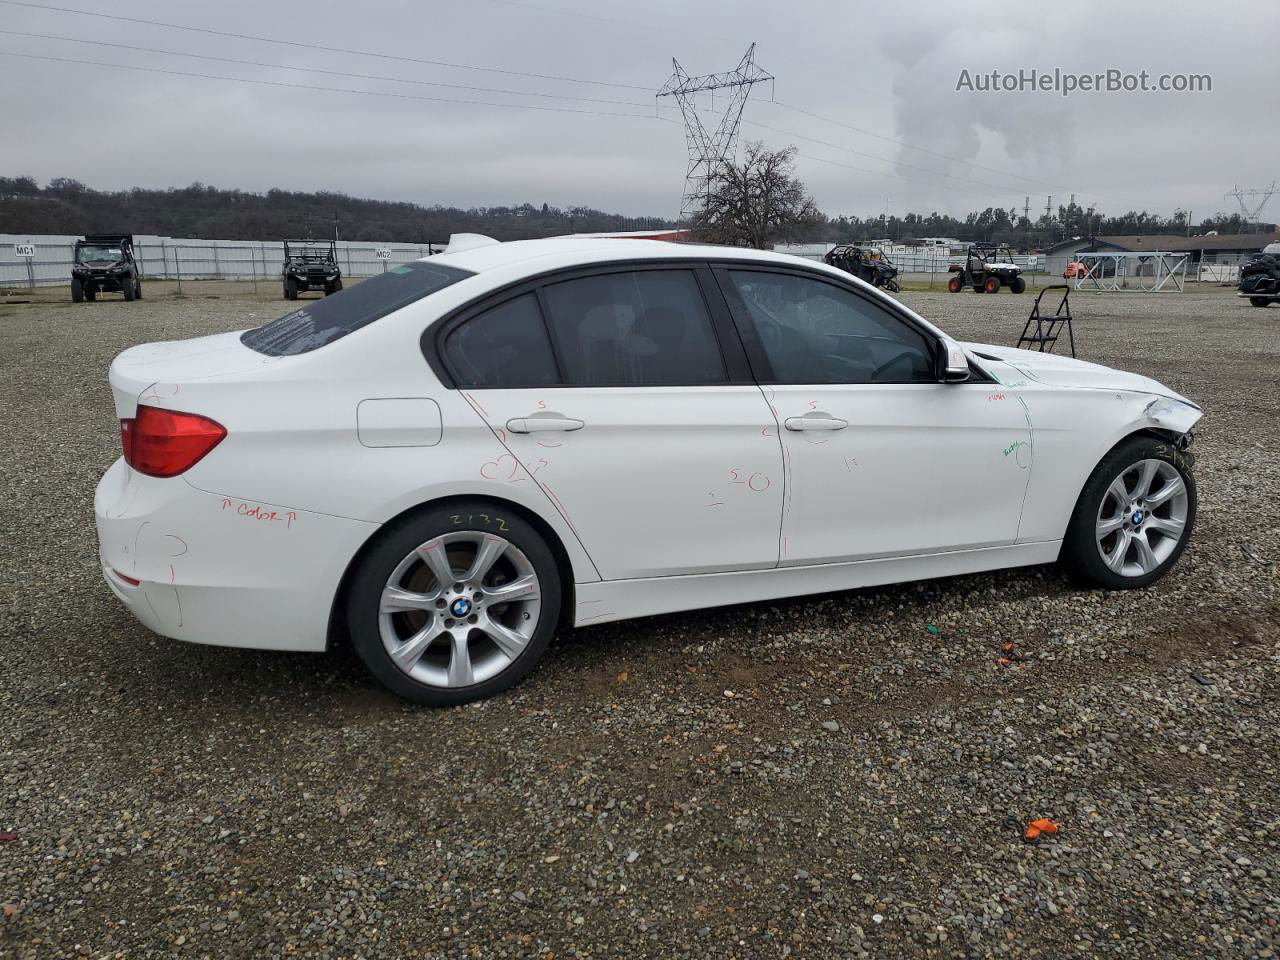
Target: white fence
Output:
[{"x": 163, "y": 258}]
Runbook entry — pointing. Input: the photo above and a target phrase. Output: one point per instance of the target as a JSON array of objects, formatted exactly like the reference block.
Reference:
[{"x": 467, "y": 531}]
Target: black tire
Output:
[
  {"x": 1253, "y": 301},
  {"x": 1018, "y": 285},
  {"x": 991, "y": 284},
  {"x": 955, "y": 284},
  {"x": 1081, "y": 554},
  {"x": 77, "y": 290},
  {"x": 126, "y": 288},
  {"x": 290, "y": 288},
  {"x": 337, "y": 285},
  {"x": 377, "y": 563},
  {"x": 137, "y": 289}
]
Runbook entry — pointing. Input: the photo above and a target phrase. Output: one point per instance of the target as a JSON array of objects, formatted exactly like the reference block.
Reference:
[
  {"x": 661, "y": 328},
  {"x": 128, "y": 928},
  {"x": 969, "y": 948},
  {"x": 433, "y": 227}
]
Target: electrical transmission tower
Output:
[
  {"x": 708, "y": 150},
  {"x": 1252, "y": 212}
]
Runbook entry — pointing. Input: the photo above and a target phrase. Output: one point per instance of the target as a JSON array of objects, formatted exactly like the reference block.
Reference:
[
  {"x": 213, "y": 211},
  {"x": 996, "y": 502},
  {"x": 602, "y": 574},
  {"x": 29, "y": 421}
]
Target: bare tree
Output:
[{"x": 757, "y": 200}]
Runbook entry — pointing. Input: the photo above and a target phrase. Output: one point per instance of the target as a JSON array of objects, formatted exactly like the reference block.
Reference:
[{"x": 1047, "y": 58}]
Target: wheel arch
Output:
[
  {"x": 564, "y": 565},
  {"x": 1162, "y": 434}
]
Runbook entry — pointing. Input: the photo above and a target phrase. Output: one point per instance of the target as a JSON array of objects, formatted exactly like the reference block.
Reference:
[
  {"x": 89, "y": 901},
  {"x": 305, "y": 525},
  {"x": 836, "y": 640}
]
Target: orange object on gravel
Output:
[{"x": 1039, "y": 826}]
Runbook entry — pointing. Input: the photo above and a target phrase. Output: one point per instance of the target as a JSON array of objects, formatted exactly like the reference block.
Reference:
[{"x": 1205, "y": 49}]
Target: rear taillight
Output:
[{"x": 165, "y": 443}]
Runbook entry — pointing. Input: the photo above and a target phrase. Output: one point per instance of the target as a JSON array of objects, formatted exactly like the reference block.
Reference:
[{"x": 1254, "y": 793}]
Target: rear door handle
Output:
[
  {"x": 544, "y": 422},
  {"x": 815, "y": 421}
]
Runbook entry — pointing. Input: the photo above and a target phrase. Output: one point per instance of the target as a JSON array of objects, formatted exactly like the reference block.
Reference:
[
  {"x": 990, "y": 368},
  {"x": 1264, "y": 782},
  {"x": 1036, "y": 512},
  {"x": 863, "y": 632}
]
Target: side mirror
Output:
[{"x": 955, "y": 365}]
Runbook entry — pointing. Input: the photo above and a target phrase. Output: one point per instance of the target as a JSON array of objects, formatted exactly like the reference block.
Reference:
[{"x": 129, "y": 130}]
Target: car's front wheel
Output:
[
  {"x": 454, "y": 604},
  {"x": 1134, "y": 516}
]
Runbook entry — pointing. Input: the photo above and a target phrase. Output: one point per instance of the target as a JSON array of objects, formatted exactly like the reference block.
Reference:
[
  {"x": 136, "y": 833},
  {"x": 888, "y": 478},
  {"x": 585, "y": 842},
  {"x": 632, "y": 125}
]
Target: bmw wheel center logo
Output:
[
  {"x": 1138, "y": 516},
  {"x": 460, "y": 607}
]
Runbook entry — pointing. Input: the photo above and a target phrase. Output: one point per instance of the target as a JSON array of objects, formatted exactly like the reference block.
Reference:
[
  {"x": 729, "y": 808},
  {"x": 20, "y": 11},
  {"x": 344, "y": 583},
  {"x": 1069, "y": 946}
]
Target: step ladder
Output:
[{"x": 1043, "y": 336}]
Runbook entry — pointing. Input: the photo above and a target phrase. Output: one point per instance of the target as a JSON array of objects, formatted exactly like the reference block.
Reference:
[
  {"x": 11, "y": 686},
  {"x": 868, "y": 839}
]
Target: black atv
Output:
[
  {"x": 310, "y": 265},
  {"x": 870, "y": 265},
  {"x": 987, "y": 267},
  {"x": 104, "y": 263},
  {"x": 1260, "y": 279}
]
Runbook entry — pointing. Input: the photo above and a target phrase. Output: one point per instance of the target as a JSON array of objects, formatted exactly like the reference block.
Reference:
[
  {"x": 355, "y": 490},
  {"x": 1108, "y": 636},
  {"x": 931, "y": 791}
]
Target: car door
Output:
[
  {"x": 881, "y": 459},
  {"x": 624, "y": 394}
]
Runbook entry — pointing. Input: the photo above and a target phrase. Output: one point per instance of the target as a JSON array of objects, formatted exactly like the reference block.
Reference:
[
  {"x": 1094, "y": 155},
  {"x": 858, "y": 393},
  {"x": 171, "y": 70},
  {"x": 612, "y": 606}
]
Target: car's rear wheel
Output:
[
  {"x": 290, "y": 288},
  {"x": 955, "y": 284},
  {"x": 1253, "y": 301},
  {"x": 137, "y": 289},
  {"x": 126, "y": 288},
  {"x": 455, "y": 604},
  {"x": 1134, "y": 516},
  {"x": 77, "y": 291}
]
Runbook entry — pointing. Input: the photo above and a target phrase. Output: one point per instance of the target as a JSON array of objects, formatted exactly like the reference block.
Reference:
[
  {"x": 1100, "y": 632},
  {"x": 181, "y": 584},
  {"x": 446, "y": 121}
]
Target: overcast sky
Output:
[{"x": 890, "y": 69}]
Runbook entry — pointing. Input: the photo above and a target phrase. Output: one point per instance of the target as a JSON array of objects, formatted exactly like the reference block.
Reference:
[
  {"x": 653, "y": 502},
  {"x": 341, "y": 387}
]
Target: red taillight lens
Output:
[{"x": 165, "y": 443}]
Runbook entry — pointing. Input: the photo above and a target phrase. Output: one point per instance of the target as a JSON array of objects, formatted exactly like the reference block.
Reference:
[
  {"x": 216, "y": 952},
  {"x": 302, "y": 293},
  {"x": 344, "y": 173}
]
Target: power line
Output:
[
  {"x": 333, "y": 73},
  {"x": 316, "y": 46},
  {"x": 848, "y": 166},
  {"x": 871, "y": 156},
  {"x": 902, "y": 143},
  {"x": 307, "y": 86}
]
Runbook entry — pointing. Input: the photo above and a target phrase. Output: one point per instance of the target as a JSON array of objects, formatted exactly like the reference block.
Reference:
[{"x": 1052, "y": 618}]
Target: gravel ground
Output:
[{"x": 842, "y": 776}]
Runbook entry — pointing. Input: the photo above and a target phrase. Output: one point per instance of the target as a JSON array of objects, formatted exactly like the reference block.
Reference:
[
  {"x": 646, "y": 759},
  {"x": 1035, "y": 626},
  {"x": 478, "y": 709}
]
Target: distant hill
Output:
[{"x": 69, "y": 207}]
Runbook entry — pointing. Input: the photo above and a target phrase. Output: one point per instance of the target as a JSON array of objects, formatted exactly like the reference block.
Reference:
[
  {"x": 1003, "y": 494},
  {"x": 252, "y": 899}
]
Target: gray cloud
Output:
[{"x": 894, "y": 74}]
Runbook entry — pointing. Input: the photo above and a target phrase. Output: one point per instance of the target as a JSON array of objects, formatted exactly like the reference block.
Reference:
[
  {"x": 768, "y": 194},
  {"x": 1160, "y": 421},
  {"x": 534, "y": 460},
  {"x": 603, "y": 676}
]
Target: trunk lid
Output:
[{"x": 159, "y": 370}]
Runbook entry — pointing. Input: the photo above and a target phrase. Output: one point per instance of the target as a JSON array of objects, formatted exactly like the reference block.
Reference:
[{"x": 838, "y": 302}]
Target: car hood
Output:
[{"x": 1049, "y": 368}]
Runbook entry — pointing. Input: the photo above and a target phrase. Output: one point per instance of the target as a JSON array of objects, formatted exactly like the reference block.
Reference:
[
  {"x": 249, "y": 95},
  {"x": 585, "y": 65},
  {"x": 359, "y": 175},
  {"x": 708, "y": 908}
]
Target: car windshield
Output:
[
  {"x": 99, "y": 252},
  {"x": 322, "y": 322}
]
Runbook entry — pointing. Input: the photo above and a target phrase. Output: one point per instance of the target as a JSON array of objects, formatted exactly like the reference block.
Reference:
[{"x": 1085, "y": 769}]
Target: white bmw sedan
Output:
[{"x": 449, "y": 461}]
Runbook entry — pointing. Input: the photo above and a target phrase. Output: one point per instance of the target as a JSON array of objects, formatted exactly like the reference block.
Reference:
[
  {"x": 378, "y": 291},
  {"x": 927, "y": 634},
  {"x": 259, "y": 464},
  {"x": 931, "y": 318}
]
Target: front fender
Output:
[{"x": 1072, "y": 430}]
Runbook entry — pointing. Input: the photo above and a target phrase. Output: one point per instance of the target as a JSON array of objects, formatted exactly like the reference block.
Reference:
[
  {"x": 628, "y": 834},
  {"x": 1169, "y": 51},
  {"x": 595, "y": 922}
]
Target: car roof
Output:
[{"x": 536, "y": 256}]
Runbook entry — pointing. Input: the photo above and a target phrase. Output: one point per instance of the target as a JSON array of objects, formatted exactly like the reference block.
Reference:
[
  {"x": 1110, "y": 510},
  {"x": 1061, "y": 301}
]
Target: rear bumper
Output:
[{"x": 199, "y": 567}]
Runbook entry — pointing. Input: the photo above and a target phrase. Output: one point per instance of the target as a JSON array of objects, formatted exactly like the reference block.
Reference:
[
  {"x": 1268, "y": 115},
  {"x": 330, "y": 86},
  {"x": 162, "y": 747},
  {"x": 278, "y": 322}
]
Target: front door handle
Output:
[
  {"x": 815, "y": 420},
  {"x": 544, "y": 421}
]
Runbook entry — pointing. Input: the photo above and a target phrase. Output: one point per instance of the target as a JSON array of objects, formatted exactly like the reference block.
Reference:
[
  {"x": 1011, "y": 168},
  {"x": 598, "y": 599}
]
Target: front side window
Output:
[
  {"x": 637, "y": 328},
  {"x": 506, "y": 346},
  {"x": 817, "y": 332},
  {"x": 321, "y": 322}
]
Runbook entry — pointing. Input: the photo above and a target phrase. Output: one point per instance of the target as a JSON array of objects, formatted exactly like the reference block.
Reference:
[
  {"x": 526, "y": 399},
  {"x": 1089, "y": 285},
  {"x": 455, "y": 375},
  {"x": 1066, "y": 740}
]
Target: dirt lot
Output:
[{"x": 841, "y": 776}]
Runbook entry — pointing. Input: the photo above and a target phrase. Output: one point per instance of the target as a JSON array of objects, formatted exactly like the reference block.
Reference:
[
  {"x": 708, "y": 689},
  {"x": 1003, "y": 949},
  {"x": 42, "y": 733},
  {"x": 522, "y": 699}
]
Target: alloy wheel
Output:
[
  {"x": 1142, "y": 518},
  {"x": 459, "y": 609}
]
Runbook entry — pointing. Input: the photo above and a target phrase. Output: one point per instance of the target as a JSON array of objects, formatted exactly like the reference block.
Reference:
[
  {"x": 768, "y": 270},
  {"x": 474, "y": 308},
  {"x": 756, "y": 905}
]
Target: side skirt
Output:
[{"x": 606, "y": 600}]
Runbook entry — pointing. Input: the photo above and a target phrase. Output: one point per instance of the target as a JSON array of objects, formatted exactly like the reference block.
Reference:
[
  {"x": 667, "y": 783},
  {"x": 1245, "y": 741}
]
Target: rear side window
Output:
[
  {"x": 503, "y": 347},
  {"x": 639, "y": 328},
  {"x": 323, "y": 321}
]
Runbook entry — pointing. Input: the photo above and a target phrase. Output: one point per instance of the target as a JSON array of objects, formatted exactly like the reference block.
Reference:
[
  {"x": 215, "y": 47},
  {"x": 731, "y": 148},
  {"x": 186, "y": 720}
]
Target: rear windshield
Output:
[{"x": 331, "y": 318}]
